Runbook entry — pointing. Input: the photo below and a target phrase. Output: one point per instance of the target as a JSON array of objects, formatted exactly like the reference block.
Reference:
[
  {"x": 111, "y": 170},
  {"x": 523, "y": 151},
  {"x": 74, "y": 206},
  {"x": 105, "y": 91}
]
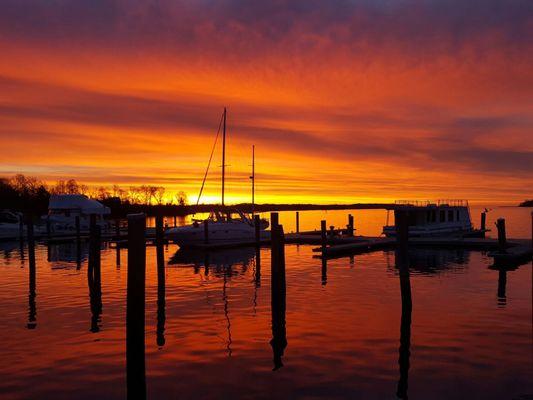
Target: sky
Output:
[{"x": 345, "y": 101}]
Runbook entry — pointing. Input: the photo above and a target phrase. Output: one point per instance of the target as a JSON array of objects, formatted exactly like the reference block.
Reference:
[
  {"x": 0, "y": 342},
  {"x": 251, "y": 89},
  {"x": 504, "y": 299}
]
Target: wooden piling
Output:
[
  {"x": 135, "y": 307},
  {"x": 206, "y": 231},
  {"x": 257, "y": 226},
  {"x": 502, "y": 238},
  {"x": 161, "y": 315},
  {"x": 323, "y": 235},
  {"x": 159, "y": 232},
  {"x": 48, "y": 228},
  {"x": 405, "y": 322},
  {"x": 175, "y": 221},
  {"x": 401, "y": 218},
  {"x": 117, "y": 228},
  {"x": 297, "y": 222},
  {"x": 278, "y": 296},
  {"x": 531, "y": 228},
  {"x": 32, "y": 271},
  {"x": 350, "y": 225},
  {"x": 483, "y": 224},
  {"x": 274, "y": 220},
  {"x": 94, "y": 276}
]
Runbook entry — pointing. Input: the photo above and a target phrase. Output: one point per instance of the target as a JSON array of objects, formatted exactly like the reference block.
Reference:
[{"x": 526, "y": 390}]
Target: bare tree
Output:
[
  {"x": 159, "y": 194},
  {"x": 181, "y": 198}
]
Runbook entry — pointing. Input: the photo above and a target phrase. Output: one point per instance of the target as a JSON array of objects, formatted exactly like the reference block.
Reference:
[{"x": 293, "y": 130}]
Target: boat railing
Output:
[{"x": 438, "y": 203}]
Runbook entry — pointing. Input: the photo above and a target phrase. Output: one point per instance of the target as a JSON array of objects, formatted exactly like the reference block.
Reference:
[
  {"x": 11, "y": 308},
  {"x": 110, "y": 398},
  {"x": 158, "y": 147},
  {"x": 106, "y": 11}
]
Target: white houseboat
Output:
[
  {"x": 64, "y": 208},
  {"x": 440, "y": 218}
]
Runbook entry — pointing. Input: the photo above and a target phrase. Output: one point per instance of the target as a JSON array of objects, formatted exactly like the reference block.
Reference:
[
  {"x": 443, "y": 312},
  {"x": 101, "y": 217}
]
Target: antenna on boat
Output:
[
  {"x": 223, "y": 154},
  {"x": 253, "y": 179}
]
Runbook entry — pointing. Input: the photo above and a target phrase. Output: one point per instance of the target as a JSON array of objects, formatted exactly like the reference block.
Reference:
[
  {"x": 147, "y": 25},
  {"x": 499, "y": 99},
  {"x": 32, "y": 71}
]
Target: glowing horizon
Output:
[{"x": 345, "y": 102}]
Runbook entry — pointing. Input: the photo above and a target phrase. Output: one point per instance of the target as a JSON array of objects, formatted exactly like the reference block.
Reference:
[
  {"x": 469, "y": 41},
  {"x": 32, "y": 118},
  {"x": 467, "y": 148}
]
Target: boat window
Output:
[
  {"x": 450, "y": 215},
  {"x": 442, "y": 216}
]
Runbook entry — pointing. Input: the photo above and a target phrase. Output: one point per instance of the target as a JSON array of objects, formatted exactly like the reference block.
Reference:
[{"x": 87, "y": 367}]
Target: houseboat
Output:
[
  {"x": 439, "y": 218},
  {"x": 64, "y": 208}
]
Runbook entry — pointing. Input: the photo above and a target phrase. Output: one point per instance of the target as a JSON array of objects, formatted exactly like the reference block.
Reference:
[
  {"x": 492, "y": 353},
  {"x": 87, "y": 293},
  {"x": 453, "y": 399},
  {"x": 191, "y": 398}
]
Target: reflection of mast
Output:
[
  {"x": 226, "y": 312},
  {"x": 405, "y": 325}
]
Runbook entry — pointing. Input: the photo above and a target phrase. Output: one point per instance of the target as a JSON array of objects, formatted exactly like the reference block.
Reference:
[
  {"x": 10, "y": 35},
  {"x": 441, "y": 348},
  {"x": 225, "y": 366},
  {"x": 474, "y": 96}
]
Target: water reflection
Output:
[
  {"x": 62, "y": 254},
  {"x": 220, "y": 261}
]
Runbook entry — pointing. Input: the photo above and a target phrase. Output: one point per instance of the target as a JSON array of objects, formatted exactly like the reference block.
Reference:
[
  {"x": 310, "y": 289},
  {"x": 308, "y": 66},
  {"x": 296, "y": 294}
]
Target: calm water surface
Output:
[{"x": 348, "y": 336}]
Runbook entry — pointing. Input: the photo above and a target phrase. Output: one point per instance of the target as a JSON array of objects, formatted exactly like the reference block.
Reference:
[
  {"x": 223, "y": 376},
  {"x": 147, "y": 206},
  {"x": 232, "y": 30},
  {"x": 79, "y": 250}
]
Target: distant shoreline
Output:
[{"x": 527, "y": 203}]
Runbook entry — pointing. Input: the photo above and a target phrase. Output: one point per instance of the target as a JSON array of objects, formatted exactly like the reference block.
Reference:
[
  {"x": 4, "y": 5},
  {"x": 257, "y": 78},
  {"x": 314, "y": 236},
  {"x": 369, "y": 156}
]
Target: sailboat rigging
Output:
[{"x": 219, "y": 227}]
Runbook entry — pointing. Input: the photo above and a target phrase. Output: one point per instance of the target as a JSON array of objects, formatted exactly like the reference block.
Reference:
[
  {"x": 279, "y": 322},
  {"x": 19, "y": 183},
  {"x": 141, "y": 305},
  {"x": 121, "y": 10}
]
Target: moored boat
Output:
[{"x": 440, "y": 218}]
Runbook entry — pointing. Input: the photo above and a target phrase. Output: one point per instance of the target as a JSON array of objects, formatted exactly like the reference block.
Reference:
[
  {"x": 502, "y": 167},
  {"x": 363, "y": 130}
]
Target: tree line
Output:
[{"x": 27, "y": 193}]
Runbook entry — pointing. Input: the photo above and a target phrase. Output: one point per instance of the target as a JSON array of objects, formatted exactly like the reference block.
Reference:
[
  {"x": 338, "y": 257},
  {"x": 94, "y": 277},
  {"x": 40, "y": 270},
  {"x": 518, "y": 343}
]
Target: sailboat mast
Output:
[
  {"x": 253, "y": 178},
  {"x": 223, "y": 155}
]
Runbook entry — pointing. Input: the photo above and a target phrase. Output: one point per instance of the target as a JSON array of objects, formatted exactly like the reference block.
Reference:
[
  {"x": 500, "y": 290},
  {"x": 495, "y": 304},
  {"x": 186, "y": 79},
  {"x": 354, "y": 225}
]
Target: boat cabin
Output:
[{"x": 64, "y": 208}]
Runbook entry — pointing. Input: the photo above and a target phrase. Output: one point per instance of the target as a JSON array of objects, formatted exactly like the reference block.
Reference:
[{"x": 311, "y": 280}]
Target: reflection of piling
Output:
[
  {"x": 135, "y": 307},
  {"x": 324, "y": 275},
  {"x": 278, "y": 295},
  {"x": 94, "y": 276},
  {"x": 502, "y": 283},
  {"x": 502, "y": 238},
  {"x": 297, "y": 221},
  {"x": 483, "y": 223},
  {"x": 161, "y": 317},
  {"x": 405, "y": 324},
  {"x": 32, "y": 306}
]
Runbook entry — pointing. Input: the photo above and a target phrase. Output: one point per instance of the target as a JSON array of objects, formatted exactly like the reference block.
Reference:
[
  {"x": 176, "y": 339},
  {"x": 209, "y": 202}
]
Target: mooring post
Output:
[
  {"x": 401, "y": 219},
  {"x": 94, "y": 277},
  {"x": 483, "y": 223},
  {"x": 323, "y": 235},
  {"x": 278, "y": 296},
  {"x": 531, "y": 228},
  {"x": 350, "y": 225},
  {"x": 206, "y": 231},
  {"x": 135, "y": 307},
  {"x": 175, "y": 221},
  {"x": 161, "y": 316},
  {"x": 502, "y": 239},
  {"x": 159, "y": 233},
  {"x": 274, "y": 220},
  {"x": 92, "y": 223},
  {"x": 297, "y": 221},
  {"x": 257, "y": 226},
  {"x": 32, "y": 278}
]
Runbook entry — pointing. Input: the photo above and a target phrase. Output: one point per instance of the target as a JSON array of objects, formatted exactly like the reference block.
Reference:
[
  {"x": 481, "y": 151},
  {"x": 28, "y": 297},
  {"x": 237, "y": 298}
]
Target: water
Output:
[{"x": 470, "y": 334}]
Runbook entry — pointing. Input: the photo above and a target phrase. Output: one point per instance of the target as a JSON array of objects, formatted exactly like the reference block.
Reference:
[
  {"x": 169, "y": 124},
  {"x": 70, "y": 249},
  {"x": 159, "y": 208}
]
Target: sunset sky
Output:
[{"x": 345, "y": 101}]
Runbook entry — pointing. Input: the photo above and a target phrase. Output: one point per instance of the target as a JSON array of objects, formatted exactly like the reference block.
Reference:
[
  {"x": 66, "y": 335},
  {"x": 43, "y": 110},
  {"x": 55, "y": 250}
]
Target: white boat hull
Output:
[{"x": 218, "y": 232}]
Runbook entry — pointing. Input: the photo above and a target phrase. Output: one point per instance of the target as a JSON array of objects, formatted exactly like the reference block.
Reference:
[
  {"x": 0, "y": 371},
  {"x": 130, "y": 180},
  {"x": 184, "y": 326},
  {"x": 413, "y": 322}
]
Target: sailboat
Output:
[{"x": 229, "y": 226}]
